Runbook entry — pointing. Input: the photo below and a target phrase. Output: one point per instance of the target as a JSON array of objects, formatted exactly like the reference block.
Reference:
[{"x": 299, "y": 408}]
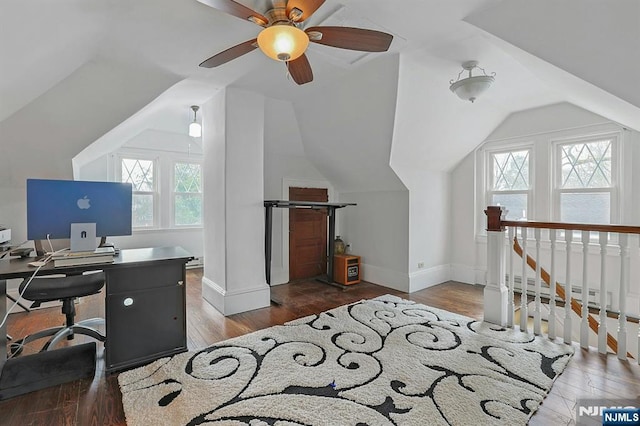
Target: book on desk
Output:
[{"x": 70, "y": 258}]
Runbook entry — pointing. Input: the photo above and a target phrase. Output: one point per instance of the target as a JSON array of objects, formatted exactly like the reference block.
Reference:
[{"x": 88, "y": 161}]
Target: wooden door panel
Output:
[{"x": 307, "y": 235}]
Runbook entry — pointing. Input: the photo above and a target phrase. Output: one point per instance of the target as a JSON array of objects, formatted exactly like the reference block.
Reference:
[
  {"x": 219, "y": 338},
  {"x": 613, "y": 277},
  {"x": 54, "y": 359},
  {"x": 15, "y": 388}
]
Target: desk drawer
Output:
[{"x": 164, "y": 274}]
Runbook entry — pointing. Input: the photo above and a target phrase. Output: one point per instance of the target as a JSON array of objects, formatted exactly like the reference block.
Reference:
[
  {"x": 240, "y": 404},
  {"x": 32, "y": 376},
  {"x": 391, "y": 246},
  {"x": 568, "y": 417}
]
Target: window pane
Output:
[
  {"x": 592, "y": 207},
  {"x": 586, "y": 165},
  {"x": 188, "y": 209},
  {"x": 142, "y": 210},
  {"x": 139, "y": 173},
  {"x": 516, "y": 205},
  {"x": 187, "y": 178},
  {"x": 511, "y": 171}
]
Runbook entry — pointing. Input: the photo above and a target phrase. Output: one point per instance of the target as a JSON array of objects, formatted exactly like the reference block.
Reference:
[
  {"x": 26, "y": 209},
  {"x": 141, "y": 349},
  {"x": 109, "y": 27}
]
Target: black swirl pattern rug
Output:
[{"x": 385, "y": 361}]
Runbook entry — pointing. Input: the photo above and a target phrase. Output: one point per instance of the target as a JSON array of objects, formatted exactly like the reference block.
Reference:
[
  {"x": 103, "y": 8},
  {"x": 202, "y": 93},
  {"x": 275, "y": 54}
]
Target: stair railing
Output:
[{"x": 499, "y": 305}]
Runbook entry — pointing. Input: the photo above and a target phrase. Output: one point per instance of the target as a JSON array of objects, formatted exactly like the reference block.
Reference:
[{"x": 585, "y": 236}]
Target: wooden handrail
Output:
[
  {"x": 621, "y": 229},
  {"x": 560, "y": 291},
  {"x": 495, "y": 223}
]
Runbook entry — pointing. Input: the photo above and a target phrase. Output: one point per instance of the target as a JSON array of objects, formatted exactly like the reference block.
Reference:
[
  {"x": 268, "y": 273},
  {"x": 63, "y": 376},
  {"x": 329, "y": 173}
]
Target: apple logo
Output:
[{"x": 84, "y": 203}]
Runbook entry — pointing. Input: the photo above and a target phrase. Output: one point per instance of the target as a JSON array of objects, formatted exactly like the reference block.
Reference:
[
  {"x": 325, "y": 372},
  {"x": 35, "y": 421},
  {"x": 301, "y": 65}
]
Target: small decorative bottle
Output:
[{"x": 338, "y": 246}]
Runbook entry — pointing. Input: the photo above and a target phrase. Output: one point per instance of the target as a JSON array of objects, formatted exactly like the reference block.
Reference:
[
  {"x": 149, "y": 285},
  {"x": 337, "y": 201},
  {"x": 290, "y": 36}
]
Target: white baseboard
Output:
[
  {"x": 467, "y": 274},
  {"x": 429, "y": 277},
  {"x": 385, "y": 277},
  {"x": 236, "y": 301},
  {"x": 279, "y": 276}
]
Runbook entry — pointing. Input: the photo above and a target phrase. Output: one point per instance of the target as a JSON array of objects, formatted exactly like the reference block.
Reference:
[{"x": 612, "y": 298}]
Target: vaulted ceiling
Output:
[{"x": 105, "y": 63}]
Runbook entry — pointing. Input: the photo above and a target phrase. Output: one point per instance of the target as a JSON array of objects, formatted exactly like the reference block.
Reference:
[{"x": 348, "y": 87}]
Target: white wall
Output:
[
  {"x": 531, "y": 27},
  {"x": 429, "y": 227},
  {"x": 234, "y": 211},
  {"x": 284, "y": 162},
  {"x": 156, "y": 144},
  {"x": 537, "y": 126},
  {"x": 347, "y": 128},
  {"x": 377, "y": 230},
  {"x": 71, "y": 115},
  {"x": 95, "y": 98}
]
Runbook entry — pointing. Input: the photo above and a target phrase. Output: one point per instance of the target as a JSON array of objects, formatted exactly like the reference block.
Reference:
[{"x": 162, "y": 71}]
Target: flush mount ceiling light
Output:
[
  {"x": 469, "y": 88},
  {"x": 195, "y": 129}
]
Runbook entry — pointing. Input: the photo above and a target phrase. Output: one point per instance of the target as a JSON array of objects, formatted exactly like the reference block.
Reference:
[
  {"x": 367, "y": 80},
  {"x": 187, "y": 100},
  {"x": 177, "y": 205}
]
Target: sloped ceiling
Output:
[
  {"x": 102, "y": 63},
  {"x": 587, "y": 51},
  {"x": 347, "y": 130}
]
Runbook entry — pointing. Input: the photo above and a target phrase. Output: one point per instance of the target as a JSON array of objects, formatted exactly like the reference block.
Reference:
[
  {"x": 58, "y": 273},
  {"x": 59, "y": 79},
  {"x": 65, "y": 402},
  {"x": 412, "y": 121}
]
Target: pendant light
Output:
[{"x": 195, "y": 129}]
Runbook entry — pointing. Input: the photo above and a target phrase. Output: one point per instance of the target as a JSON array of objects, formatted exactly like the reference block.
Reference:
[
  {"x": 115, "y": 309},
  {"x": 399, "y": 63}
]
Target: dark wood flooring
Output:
[{"x": 97, "y": 401}]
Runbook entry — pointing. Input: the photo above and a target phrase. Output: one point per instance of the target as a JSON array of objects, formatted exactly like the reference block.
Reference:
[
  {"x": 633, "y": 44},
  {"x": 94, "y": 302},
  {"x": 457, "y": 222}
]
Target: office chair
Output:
[{"x": 65, "y": 289}]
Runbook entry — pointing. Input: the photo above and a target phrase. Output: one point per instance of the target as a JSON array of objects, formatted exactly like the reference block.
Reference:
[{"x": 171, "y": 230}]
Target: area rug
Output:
[{"x": 385, "y": 361}]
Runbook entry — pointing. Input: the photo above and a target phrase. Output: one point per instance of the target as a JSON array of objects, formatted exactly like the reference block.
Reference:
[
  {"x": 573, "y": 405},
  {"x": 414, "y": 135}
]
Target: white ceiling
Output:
[{"x": 42, "y": 42}]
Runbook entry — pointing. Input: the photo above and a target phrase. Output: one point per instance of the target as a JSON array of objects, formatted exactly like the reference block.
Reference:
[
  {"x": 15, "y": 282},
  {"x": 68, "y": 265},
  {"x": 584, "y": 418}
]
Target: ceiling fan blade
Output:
[
  {"x": 238, "y": 10},
  {"x": 300, "y": 70},
  {"x": 230, "y": 54},
  {"x": 307, "y": 7},
  {"x": 352, "y": 38}
]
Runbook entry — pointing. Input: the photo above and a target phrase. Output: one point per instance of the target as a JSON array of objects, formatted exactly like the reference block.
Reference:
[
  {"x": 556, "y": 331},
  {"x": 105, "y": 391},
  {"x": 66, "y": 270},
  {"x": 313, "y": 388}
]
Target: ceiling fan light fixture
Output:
[
  {"x": 195, "y": 129},
  {"x": 283, "y": 42},
  {"x": 469, "y": 88}
]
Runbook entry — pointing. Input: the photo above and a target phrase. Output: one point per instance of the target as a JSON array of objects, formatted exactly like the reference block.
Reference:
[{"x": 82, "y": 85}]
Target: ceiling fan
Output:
[{"x": 282, "y": 38}]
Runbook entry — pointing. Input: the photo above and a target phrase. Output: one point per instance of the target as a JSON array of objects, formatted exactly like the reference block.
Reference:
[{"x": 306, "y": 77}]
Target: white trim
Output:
[
  {"x": 157, "y": 175},
  {"x": 429, "y": 277},
  {"x": 467, "y": 274},
  {"x": 528, "y": 146},
  {"x": 543, "y": 197},
  {"x": 172, "y": 189},
  {"x": 234, "y": 302},
  {"x": 283, "y": 270},
  {"x": 385, "y": 277},
  {"x": 554, "y": 131},
  {"x": 616, "y": 172}
]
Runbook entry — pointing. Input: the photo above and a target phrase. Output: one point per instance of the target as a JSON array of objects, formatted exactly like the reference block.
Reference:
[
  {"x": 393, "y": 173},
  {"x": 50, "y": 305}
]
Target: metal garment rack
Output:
[{"x": 285, "y": 204}]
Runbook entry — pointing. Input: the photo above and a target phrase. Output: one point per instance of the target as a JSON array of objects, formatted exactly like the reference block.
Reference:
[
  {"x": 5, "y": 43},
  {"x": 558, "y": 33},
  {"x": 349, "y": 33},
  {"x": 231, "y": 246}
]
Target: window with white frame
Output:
[
  {"x": 586, "y": 183},
  {"x": 187, "y": 194},
  {"x": 141, "y": 173},
  {"x": 510, "y": 181}
]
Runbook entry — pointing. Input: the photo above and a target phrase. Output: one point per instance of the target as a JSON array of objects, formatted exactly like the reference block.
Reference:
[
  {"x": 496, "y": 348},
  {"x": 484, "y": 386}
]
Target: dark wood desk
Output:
[{"x": 145, "y": 304}]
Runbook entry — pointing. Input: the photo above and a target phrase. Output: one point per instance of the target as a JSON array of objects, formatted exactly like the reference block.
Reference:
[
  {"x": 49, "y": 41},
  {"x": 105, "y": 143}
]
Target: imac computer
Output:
[{"x": 59, "y": 209}]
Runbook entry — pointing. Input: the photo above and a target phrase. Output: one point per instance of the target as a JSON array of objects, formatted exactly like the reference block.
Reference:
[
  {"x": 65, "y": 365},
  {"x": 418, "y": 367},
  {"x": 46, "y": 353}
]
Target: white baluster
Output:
[
  {"x": 584, "y": 323},
  {"x": 537, "y": 313},
  {"x": 552, "y": 286},
  {"x": 568, "y": 237},
  {"x": 602, "y": 328},
  {"x": 524, "y": 315},
  {"x": 511, "y": 306},
  {"x": 623, "y": 241}
]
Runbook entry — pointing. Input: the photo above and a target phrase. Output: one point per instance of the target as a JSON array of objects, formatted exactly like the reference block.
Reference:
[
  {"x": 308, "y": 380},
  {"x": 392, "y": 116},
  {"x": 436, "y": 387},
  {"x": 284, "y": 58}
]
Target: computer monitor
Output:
[{"x": 53, "y": 205}]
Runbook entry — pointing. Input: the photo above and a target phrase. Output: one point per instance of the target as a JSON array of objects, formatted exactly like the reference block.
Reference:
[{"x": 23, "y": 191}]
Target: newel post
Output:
[{"x": 495, "y": 292}]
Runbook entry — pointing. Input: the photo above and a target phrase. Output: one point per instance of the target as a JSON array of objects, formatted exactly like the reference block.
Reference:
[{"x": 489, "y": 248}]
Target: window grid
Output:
[
  {"x": 586, "y": 182},
  {"x": 141, "y": 174},
  {"x": 510, "y": 181},
  {"x": 187, "y": 194}
]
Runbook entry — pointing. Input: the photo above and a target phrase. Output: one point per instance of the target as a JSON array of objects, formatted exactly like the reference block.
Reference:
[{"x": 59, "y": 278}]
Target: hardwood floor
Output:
[{"x": 97, "y": 401}]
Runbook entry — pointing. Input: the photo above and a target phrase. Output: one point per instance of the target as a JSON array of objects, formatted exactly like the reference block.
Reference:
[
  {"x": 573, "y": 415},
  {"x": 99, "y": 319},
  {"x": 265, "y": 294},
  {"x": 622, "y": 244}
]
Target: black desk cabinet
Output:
[{"x": 145, "y": 313}]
